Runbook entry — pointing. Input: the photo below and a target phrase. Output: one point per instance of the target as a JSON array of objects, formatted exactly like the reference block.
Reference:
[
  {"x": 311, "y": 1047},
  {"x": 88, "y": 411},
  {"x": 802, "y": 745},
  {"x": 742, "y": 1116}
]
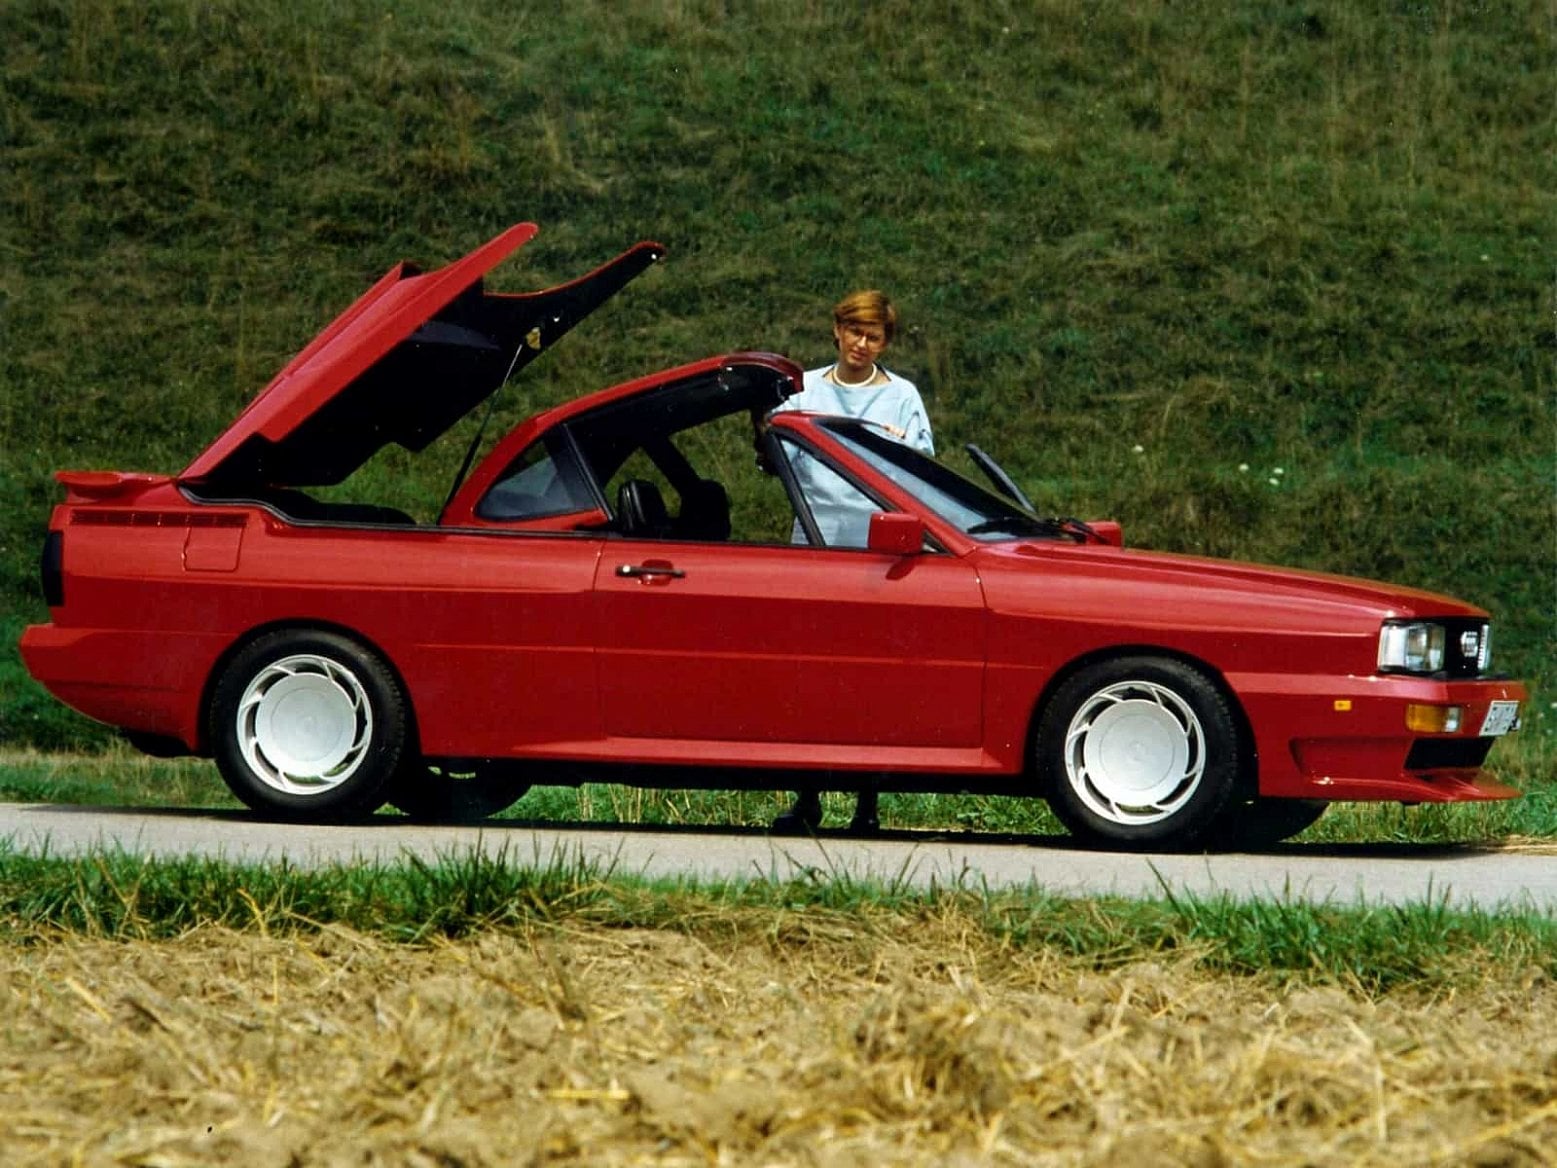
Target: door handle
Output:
[{"x": 641, "y": 570}]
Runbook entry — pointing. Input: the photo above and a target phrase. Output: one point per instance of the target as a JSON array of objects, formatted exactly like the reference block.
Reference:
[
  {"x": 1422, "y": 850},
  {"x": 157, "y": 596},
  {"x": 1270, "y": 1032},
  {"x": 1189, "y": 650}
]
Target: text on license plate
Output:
[{"x": 1501, "y": 718}]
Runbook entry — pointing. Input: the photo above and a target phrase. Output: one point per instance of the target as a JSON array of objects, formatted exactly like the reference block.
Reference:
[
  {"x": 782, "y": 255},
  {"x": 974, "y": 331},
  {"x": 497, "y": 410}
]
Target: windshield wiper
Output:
[
  {"x": 1019, "y": 525},
  {"x": 1056, "y": 527}
]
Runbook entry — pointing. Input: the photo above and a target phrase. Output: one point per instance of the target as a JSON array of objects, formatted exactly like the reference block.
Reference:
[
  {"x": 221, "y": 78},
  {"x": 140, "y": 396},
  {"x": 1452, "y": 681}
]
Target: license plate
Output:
[{"x": 1501, "y": 718}]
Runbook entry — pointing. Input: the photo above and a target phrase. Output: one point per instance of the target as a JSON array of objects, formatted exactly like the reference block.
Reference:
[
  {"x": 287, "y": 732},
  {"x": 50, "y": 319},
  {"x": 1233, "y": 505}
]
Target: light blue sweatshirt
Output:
[{"x": 841, "y": 512}]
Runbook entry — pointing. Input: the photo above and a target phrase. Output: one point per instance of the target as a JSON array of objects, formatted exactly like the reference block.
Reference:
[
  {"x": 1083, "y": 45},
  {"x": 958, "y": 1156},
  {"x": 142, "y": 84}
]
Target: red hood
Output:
[
  {"x": 1113, "y": 580},
  {"x": 411, "y": 357}
]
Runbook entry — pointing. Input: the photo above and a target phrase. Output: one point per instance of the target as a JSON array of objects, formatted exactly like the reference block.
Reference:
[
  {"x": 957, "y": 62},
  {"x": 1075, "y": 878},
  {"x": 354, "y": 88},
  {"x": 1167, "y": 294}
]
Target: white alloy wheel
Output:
[
  {"x": 304, "y": 724},
  {"x": 1134, "y": 753}
]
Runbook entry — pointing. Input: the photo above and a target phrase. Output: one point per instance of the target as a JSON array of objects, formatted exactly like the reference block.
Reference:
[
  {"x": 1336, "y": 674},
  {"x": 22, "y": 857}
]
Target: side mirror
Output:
[
  {"x": 1109, "y": 531},
  {"x": 896, "y": 533}
]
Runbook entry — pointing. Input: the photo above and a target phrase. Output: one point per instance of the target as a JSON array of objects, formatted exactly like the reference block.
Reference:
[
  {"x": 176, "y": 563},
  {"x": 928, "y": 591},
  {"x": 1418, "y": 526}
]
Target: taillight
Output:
[{"x": 52, "y": 569}]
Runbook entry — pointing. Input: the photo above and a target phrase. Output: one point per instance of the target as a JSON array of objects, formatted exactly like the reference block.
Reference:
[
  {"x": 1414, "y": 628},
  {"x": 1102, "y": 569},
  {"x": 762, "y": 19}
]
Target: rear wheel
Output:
[
  {"x": 307, "y": 724},
  {"x": 1138, "y": 752}
]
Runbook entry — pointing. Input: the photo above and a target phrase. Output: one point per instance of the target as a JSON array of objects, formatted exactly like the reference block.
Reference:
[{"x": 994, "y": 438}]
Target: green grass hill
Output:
[{"x": 1261, "y": 279}]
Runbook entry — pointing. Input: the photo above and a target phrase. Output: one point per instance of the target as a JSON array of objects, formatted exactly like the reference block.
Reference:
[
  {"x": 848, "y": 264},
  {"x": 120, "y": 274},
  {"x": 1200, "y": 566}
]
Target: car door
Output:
[
  {"x": 494, "y": 633},
  {"x": 790, "y": 655}
]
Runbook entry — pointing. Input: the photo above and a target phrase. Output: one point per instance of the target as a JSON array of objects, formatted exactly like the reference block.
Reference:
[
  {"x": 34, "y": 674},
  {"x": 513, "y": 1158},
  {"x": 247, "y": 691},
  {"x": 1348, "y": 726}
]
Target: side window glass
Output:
[
  {"x": 638, "y": 467},
  {"x": 723, "y": 451},
  {"x": 535, "y": 485},
  {"x": 842, "y": 511}
]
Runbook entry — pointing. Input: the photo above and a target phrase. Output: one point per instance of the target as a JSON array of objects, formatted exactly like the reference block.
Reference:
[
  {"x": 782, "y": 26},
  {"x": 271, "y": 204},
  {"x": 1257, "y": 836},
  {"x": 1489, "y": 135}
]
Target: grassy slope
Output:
[{"x": 1259, "y": 234}]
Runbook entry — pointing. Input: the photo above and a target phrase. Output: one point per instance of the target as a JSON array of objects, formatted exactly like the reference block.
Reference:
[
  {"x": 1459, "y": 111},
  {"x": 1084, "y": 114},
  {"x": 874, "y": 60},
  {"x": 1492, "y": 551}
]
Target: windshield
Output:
[{"x": 966, "y": 505}]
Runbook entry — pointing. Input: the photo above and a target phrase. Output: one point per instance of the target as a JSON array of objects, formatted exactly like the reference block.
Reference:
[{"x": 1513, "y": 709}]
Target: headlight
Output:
[
  {"x": 1411, "y": 647},
  {"x": 1476, "y": 645}
]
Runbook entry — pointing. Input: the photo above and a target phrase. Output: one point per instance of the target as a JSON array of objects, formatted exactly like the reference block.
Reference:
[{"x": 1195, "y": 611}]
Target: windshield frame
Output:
[{"x": 955, "y": 500}]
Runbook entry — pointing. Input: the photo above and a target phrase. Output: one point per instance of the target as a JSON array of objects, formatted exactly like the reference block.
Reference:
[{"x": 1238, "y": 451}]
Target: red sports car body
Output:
[{"x": 623, "y": 587}]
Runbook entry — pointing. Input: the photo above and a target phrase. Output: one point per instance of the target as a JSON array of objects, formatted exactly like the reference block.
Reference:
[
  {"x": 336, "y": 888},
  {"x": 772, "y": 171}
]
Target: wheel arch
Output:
[
  {"x": 291, "y": 625},
  {"x": 1247, "y": 781}
]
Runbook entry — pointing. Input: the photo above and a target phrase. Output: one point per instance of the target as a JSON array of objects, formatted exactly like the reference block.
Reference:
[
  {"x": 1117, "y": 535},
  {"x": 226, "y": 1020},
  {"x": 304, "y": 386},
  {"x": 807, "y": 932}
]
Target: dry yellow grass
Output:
[{"x": 835, "y": 1042}]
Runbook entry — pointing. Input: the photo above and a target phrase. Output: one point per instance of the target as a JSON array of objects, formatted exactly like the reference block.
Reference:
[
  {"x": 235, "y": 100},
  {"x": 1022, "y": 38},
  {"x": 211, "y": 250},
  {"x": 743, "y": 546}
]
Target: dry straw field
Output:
[{"x": 832, "y": 1040}]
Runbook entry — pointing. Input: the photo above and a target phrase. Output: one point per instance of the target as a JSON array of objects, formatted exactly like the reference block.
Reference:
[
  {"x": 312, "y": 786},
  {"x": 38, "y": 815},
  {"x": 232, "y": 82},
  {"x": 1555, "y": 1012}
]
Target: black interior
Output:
[
  {"x": 705, "y": 512},
  {"x": 641, "y": 511}
]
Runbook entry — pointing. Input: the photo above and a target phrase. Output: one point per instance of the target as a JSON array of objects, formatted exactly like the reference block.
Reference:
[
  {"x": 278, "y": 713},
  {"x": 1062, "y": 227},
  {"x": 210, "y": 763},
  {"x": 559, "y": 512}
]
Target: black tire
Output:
[
  {"x": 448, "y": 794},
  {"x": 1260, "y": 823},
  {"x": 803, "y": 818},
  {"x": 156, "y": 745},
  {"x": 308, "y": 725},
  {"x": 1138, "y": 752}
]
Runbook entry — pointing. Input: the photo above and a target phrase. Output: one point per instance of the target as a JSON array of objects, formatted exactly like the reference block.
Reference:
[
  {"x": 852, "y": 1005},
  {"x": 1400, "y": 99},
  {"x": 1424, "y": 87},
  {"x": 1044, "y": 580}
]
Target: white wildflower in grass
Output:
[
  {"x": 1278, "y": 472},
  {"x": 1138, "y": 449},
  {"x": 1274, "y": 482},
  {"x": 1243, "y": 468}
]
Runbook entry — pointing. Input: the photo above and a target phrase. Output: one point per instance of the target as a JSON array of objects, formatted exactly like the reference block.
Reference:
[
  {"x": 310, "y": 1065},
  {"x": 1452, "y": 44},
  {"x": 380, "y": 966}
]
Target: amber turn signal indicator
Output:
[{"x": 1424, "y": 719}]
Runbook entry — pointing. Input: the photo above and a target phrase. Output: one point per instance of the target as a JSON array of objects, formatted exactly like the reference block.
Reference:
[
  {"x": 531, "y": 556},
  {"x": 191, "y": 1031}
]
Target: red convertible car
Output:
[{"x": 633, "y": 587}]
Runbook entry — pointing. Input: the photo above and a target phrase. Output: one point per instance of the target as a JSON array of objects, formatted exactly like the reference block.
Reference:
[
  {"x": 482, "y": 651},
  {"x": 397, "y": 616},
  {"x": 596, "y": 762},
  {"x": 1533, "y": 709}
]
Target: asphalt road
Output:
[{"x": 1343, "y": 875}]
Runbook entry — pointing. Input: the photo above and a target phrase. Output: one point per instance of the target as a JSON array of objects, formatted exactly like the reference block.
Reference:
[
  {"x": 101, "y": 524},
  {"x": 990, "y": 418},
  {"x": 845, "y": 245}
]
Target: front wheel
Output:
[
  {"x": 1262, "y": 822},
  {"x": 442, "y": 793},
  {"x": 1138, "y": 752},
  {"x": 308, "y": 725}
]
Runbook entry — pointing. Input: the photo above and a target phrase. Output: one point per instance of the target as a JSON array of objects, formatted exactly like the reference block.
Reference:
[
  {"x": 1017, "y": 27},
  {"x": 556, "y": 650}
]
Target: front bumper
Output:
[{"x": 1346, "y": 738}]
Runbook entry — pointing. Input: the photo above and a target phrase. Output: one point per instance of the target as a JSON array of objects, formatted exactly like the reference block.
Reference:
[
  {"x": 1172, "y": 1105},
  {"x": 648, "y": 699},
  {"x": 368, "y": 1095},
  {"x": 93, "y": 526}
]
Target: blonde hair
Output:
[{"x": 867, "y": 306}]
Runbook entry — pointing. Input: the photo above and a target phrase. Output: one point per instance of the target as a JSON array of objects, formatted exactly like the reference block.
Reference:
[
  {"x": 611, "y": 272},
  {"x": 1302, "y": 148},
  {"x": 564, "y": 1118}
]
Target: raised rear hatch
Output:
[{"x": 412, "y": 356}]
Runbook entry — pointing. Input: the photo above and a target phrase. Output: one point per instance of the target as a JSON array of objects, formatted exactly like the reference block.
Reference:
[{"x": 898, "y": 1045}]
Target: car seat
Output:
[
  {"x": 640, "y": 510},
  {"x": 705, "y": 512}
]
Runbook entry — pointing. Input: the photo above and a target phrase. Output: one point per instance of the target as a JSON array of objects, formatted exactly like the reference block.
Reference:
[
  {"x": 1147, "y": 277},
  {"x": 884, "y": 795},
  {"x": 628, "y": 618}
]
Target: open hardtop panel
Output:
[{"x": 415, "y": 354}]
